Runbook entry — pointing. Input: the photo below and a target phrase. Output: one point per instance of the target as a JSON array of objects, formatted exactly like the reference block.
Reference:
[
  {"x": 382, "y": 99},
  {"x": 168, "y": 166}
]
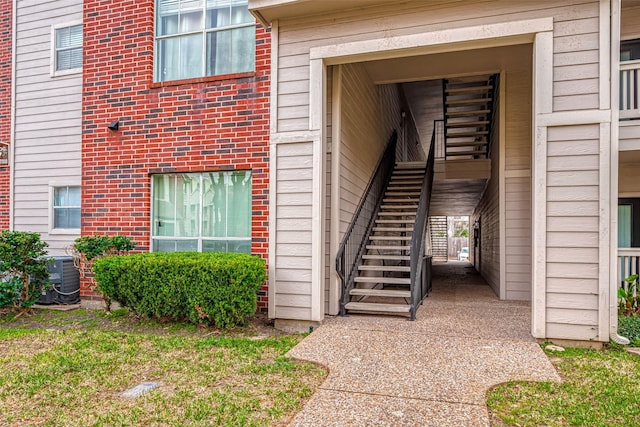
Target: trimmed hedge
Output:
[{"x": 213, "y": 288}]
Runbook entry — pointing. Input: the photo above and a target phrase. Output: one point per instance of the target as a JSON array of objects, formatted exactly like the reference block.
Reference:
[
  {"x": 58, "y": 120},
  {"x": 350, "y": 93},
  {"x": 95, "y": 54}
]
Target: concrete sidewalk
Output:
[{"x": 435, "y": 371}]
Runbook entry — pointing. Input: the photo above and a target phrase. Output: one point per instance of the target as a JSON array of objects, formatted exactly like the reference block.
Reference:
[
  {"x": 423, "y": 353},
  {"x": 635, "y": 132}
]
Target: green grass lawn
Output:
[
  {"x": 599, "y": 388},
  {"x": 72, "y": 373}
]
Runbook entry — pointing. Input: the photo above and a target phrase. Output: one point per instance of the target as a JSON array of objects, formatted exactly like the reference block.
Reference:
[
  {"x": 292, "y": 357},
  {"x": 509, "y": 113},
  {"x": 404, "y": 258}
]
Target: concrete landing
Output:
[{"x": 434, "y": 371}]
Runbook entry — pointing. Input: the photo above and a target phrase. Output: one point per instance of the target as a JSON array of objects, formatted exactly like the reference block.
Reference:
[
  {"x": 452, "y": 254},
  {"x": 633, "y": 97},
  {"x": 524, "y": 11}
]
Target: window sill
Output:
[
  {"x": 65, "y": 231},
  {"x": 207, "y": 79},
  {"x": 69, "y": 72}
]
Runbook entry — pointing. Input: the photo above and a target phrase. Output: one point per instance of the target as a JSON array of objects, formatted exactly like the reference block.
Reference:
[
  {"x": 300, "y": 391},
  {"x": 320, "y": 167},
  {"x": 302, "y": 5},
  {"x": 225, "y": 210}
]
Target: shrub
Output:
[
  {"x": 629, "y": 326},
  {"x": 86, "y": 250},
  {"x": 212, "y": 288},
  {"x": 23, "y": 268}
]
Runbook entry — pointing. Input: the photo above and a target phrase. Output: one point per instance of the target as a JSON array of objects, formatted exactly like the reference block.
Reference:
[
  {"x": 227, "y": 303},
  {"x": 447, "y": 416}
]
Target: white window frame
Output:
[
  {"x": 199, "y": 237},
  {"x": 204, "y": 32},
  {"x": 52, "y": 187},
  {"x": 52, "y": 57}
]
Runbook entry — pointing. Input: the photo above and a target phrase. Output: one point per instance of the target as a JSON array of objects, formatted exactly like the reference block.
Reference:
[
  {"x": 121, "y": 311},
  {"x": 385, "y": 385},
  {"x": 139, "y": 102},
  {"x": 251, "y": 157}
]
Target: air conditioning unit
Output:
[{"x": 65, "y": 282}]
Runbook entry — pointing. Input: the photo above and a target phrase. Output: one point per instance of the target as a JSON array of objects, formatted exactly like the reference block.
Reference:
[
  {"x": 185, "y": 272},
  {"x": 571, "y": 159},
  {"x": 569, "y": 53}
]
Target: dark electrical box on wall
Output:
[{"x": 65, "y": 282}]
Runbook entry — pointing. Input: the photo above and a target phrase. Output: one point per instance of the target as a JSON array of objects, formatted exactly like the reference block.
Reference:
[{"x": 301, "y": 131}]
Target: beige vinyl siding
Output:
[
  {"x": 629, "y": 181},
  {"x": 629, "y": 136},
  {"x": 572, "y": 231},
  {"x": 293, "y": 230},
  {"x": 369, "y": 115},
  {"x": 48, "y": 119},
  {"x": 518, "y": 185},
  {"x": 575, "y": 33},
  {"x": 486, "y": 258}
]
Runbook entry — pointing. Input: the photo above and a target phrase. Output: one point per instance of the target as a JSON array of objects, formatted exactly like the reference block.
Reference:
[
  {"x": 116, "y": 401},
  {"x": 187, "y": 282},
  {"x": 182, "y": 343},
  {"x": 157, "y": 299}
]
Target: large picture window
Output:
[
  {"x": 197, "y": 38},
  {"x": 205, "y": 212}
]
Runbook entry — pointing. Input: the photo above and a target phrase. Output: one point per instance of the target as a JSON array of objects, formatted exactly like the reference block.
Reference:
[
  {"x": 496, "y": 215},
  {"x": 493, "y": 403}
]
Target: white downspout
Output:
[
  {"x": 615, "y": 127},
  {"x": 12, "y": 137}
]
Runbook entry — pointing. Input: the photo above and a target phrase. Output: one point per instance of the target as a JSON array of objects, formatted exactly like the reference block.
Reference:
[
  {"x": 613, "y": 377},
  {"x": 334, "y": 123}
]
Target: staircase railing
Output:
[
  {"x": 421, "y": 263},
  {"x": 494, "y": 81},
  {"x": 353, "y": 244}
]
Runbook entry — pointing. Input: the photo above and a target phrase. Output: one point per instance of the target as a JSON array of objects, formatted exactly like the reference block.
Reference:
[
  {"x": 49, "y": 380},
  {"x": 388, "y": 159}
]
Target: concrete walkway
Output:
[{"x": 435, "y": 371}]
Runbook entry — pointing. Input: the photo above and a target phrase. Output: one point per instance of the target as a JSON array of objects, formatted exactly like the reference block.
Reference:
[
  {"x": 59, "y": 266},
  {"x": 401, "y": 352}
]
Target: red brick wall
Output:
[
  {"x": 5, "y": 106},
  {"x": 188, "y": 126}
]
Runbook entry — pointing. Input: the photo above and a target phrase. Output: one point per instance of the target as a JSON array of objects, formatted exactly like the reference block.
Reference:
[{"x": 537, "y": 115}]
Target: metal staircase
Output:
[
  {"x": 439, "y": 238},
  {"x": 383, "y": 282},
  {"x": 382, "y": 260},
  {"x": 469, "y": 110}
]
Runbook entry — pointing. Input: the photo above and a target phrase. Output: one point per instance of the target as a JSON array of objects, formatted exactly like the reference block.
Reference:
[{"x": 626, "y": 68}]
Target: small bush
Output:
[
  {"x": 213, "y": 288},
  {"x": 629, "y": 326},
  {"x": 23, "y": 268}
]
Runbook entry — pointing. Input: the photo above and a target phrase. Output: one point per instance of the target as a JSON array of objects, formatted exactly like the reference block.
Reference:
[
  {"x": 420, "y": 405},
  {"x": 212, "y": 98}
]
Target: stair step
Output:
[
  {"x": 391, "y": 200},
  {"x": 402, "y": 268},
  {"x": 387, "y": 248},
  {"x": 411, "y": 165},
  {"x": 387, "y": 257},
  {"x": 469, "y": 113},
  {"x": 403, "y": 172},
  {"x": 399, "y": 206},
  {"x": 395, "y": 221},
  {"x": 466, "y": 153},
  {"x": 381, "y": 308},
  {"x": 407, "y": 187},
  {"x": 390, "y": 238},
  {"x": 466, "y": 144},
  {"x": 469, "y": 124},
  {"x": 387, "y": 280},
  {"x": 389, "y": 293},
  {"x": 471, "y": 101},
  {"x": 402, "y": 213},
  {"x": 402, "y": 193},
  {"x": 407, "y": 174},
  {"x": 468, "y": 89},
  {"x": 394, "y": 229},
  {"x": 467, "y": 134},
  {"x": 405, "y": 181}
]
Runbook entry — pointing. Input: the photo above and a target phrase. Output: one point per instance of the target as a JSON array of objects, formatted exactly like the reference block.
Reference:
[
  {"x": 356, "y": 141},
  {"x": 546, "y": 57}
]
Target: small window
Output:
[
  {"x": 204, "y": 212},
  {"x": 66, "y": 207},
  {"x": 67, "y": 53},
  {"x": 630, "y": 50},
  {"x": 198, "y": 38}
]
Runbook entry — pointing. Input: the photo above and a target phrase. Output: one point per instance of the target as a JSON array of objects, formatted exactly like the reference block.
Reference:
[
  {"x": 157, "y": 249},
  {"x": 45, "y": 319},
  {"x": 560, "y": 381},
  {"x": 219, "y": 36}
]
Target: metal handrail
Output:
[
  {"x": 349, "y": 256},
  {"x": 419, "y": 288},
  {"x": 494, "y": 80}
]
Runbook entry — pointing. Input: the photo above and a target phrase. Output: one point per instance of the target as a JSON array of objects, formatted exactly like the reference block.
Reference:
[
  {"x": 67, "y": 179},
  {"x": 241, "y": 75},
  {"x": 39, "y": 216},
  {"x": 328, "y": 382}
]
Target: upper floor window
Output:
[
  {"x": 67, "y": 48},
  {"x": 197, "y": 38},
  {"x": 629, "y": 50}
]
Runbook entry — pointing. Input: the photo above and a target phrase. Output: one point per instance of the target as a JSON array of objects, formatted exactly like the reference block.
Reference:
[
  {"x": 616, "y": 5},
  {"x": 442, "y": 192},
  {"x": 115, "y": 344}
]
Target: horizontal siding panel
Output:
[
  {"x": 300, "y": 224},
  {"x": 572, "y": 316},
  {"x": 583, "y": 193},
  {"x": 576, "y": 42},
  {"x": 572, "y": 332},
  {"x": 584, "y": 224},
  {"x": 576, "y": 26},
  {"x": 302, "y": 263},
  {"x": 576, "y": 102},
  {"x": 513, "y": 295},
  {"x": 575, "y": 301},
  {"x": 292, "y": 249},
  {"x": 294, "y": 199},
  {"x": 576, "y": 58},
  {"x": 573, "y": 178},
  {"x": 573, "y": 133},
  {"x": 576, "y": 72},
  {"x": 566, "y": 270},
  {"x": 290, "y": 285},
  {"x": 576, "y": 87},
  {"x": 293, "y": 236},
  {"x": 572, "y": 239},
  {"x": 284, "y": 312},
  {"x": 572, "y": 285},
  {"x": 288, "y": 300},
  {"x": 292, "y": 275},
  {"x": 566, "y": 163},
  {"x": 573, "y": 255},
  {"x": 578, "y": 209}
]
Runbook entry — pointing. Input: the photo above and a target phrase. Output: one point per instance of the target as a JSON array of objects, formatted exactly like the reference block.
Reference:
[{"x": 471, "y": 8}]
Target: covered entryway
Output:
[{"x": 433, "y": 371}]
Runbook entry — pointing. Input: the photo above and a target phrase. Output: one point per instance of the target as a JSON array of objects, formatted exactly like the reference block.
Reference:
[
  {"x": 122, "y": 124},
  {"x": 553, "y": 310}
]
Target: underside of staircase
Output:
[{"x": 382, "y": 283}]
